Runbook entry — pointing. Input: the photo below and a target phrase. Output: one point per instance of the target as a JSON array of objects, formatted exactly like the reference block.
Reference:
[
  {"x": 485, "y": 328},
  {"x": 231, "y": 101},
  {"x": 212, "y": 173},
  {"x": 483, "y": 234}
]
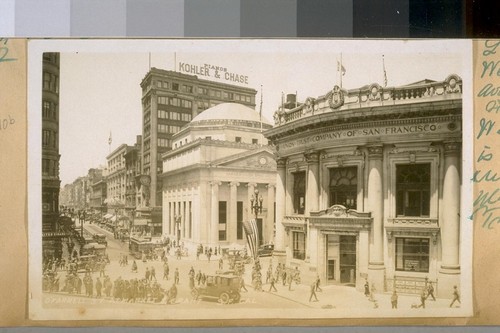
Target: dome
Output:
[{"x": 230, "y": 111}]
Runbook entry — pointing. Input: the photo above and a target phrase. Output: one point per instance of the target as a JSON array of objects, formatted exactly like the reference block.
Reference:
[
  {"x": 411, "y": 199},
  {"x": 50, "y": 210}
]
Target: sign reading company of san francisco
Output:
[{"x": 370, "y": 132}]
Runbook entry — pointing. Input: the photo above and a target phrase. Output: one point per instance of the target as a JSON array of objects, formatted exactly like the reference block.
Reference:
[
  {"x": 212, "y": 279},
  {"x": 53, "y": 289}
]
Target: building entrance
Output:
[{"x": 347, "y": 253}]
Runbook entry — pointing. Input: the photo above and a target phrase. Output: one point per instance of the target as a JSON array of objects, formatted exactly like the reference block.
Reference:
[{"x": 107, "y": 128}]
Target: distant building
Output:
[
  {"x": 133, "y": 197},
  {"x": 368, "y": 185},
  {"x": 169, "y": 101},
  {"x": 219, "y": 159},
  {"x": 52, "y": 231},
  {"x": 116, "y": 180}
]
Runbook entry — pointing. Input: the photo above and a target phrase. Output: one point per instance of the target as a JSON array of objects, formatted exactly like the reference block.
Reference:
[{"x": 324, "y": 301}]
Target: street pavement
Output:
[{"x": 331, "y": 296}]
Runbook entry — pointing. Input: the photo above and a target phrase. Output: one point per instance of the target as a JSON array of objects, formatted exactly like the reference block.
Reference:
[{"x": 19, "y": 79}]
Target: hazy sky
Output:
[{"x": 100, "y": 92}]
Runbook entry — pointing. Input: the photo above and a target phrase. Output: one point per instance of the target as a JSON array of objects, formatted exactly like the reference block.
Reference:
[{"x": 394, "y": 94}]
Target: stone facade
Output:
[{"x": 368, "y": 185}]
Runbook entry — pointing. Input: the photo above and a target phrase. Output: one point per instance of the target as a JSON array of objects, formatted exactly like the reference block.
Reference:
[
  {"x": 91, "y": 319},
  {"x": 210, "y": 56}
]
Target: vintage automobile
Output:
[
  {"x": 225, "y": 288},
  {"x": 100, "y": 239},
  {"x": 236, "y": 255},
  {"x": 265, "y": 250}
]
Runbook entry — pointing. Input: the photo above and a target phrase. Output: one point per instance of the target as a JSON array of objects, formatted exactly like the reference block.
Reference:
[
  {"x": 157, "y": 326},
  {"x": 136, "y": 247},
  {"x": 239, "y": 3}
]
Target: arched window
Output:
[{"x": 344, "y": 187}]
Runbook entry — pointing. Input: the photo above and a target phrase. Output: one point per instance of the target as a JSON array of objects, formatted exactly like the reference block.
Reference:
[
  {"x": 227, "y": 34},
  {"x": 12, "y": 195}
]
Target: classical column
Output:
[
  {"x": 279, "y": 241},
  {"x": 270, "y": 214},
  {"x": 450, "y": 232},
  {"x": 312, "y": 198},
  {"x": 376, "y": 207},
  {"x": 231, "y": 224},
  {"x": 214, "y": 220}
]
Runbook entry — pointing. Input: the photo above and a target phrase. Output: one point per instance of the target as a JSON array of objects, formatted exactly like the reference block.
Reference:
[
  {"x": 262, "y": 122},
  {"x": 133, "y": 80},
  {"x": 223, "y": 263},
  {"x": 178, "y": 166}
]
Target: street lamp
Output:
[
  {"x": 81, "y": 218},
  {"x": 256, "y": 203}
]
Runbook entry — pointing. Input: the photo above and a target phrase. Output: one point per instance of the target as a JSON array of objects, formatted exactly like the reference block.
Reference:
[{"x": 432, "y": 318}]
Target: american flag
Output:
[{"x": 252, "y": 234}]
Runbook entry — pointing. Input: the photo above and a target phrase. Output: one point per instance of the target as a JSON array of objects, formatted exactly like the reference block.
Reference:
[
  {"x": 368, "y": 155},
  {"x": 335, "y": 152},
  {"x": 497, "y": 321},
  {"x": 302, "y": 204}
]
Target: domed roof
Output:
[{"x": 230, "y": 111}]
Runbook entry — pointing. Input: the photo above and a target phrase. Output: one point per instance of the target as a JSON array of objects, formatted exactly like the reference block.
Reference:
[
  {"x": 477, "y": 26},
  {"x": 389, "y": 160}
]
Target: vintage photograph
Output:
[{"x": 226, "y": 179}]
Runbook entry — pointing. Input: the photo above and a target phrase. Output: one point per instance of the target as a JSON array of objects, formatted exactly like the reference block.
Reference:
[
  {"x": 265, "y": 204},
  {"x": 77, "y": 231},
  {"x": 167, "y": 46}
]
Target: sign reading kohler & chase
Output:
[
  {"x": 337, "y": 134},
  {"x": 213, "y": 71}
]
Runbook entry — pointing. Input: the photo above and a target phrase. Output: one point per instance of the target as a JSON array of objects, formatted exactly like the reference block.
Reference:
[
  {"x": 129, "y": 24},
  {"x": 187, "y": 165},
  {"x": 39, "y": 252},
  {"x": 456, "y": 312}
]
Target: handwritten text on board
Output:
[{"x": 486, "y": 209}]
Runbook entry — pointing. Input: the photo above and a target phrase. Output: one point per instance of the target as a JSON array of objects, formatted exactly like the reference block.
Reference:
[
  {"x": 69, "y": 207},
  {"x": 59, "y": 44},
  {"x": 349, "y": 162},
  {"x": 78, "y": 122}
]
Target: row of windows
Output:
[
  {"x": 174, "y": 101},
  {"x": 172, "y": 115},
  {"x": 168, "y": 128},
  {"x": 49, "y": 139},
  {"x": 49, "y": 168},
  {"x": 164, "y": 142},
  {"x": 50, "y": 82},
  {"x": 147, "y": 102},
  {"x": 203, "y": 91},
  {"x": 147, "y": 117},
  {"x": 412, "y": 189},
  {"x": 49, "y": 110}
]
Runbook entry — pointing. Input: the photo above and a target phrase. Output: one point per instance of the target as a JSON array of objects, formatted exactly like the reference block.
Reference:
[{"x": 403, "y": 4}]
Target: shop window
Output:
[
  {"x": 413, "y": 182},
  {"x": 299, "y": 245},
  {"x": 412, "y": 254},
  {"x": 255, "y": 141},
  {"x": 299, "y": 192},
  {"x": 222, "y": 220},
  {"x": 344, "y": 187}
]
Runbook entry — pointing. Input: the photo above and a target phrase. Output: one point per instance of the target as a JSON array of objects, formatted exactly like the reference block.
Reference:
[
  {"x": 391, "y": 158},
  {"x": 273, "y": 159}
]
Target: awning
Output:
[{"x": 139, "y": 222}]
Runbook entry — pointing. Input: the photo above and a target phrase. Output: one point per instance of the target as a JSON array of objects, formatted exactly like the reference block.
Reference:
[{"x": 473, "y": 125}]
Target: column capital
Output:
[
  {"x": 375, "y": 151},
  {"x": 452, "y": 148},
  {"x": 252, "y": 185},
  {"x": 312, "y": 157},
  {"x": 271, "y": 185},
  {"x": 281, "y": 162},
  {"x": 234, "y": 184},
  {"x": 215, "y": 183}
]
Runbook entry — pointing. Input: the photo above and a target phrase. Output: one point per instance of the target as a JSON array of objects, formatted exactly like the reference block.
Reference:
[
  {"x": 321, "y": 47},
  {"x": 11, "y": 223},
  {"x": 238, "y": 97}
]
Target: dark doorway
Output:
[
  {"x": 331, "y": 270},
  {"x": 348, "y": 259},
  {"x": 259, "y": 227}
]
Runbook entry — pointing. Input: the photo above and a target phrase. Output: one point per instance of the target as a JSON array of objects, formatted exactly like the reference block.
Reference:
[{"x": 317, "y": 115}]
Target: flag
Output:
[
  {"x": 252, "y": 235},
  {"x": 340, "y": 68},
  {"x": 110, "y": 139},
  {"x": 385, "y": 73}
]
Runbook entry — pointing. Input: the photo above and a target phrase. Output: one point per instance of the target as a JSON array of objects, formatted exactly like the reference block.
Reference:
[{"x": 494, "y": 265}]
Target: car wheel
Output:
[
  {"x": 224, "y": 298},
  {"x": 195, "y": 293},
  {"x": 236, "y": 298}
]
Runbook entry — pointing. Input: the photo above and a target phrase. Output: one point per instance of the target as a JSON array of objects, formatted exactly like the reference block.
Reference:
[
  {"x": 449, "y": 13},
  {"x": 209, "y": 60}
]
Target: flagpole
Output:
[
  {"x": 341, "y": 71},
  {"x": 175, "y": 61},
  {"x": 385, "y": 73},
  {"x": 260, "y": 115}
]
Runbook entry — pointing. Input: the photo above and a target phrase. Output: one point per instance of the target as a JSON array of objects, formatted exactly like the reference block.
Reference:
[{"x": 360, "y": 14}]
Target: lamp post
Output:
[
  {"x": 81, "y": 218},
  {"x": 256, "y": 203},
  {"x": 256, "y": 208}
]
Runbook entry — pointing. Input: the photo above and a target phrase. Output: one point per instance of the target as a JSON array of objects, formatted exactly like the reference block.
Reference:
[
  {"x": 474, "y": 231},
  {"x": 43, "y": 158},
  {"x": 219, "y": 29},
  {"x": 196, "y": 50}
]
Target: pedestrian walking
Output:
[
  {"x": 289, "y": 281},
  {"x": 430, "y": 291},
  {"x": 456, "y": 296},
  {"x": 272, "y": 285},
  {"x": 221, "y": 264},
  {"x": 394, "y": 300},
  {"x": 242, "y": 284},
  {"x": 166, "y": 271},
  {"x": 176, "y": 276},
  {"x": 98, "y": 287},
  {"x": 313, "y": 292},
  {"x": 147, "y": 274},
  {"x": 423, "y": 296},
  {"x": 318, "y": 281},
  {"x": 367, "y": 289},
  {"x": 152, "y": 274},
  {"x": 134, "y": 267}
]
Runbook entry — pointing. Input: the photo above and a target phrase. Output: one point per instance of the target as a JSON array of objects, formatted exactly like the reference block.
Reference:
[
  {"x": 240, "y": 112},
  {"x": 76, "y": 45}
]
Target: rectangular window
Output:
[
  {"x": 299, "y": 192},
  {"x": 237, "y": 139},
  {"x": 45, "y": 167},
  {"x": 203, "y": 91},
  {"x": 175, "y": 86},
  {"x": 299, "y": 245},
  {"x": 412, "y": 254},
  {"x": 46, "y": 138},
  {"x": 174, "y": 129},
  {"x": 255, "y": 141},
  {"x": 239, "y": 220},
  {"x": 174, "y": 115},
  {"x": 222, "y": 220},
  {"x": 413, "y": 185},
  {"x": 186, "y": 104}
]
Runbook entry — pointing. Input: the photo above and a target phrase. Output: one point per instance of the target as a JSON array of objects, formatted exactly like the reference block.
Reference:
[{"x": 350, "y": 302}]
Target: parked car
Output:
[
  {"x": 265, "y": 250},
  {"x": 225, "y": 288},
  {"x": 101, "y": 239}
]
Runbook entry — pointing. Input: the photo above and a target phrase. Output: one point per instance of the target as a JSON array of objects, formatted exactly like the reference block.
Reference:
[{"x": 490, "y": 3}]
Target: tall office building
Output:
[
  {"x": 170, "y": 100},
  {"x": 51, "y": 231}
]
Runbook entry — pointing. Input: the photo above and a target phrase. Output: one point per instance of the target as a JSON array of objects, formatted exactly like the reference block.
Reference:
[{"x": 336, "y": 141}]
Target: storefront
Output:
[{"x": 368, "y": 186}]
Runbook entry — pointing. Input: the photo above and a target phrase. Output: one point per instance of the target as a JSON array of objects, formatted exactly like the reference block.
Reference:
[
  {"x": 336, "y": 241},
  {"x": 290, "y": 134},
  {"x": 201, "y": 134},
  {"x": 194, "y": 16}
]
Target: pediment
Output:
[{"x": 261, "y": 158}]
